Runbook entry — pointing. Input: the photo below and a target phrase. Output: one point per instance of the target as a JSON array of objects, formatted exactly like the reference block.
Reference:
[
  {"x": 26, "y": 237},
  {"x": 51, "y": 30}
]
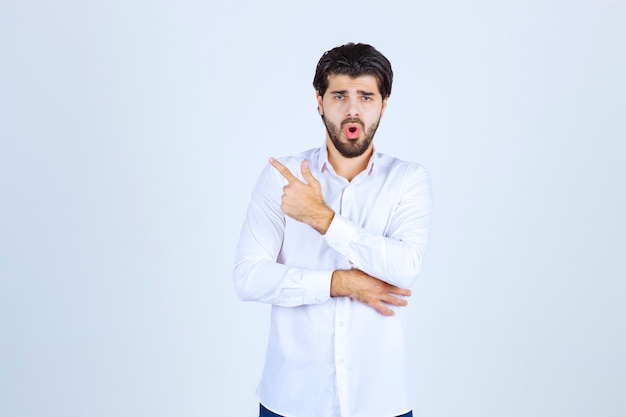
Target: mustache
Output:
[{"x": 352, "y": 120}]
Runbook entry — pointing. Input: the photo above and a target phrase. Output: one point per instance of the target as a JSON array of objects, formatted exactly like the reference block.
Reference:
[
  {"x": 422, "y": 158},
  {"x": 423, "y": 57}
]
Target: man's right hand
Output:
[{"x": 368, "y": 290}]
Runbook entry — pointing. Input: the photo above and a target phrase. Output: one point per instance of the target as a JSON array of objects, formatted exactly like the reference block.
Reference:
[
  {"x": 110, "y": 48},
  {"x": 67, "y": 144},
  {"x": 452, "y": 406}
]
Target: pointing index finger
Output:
[{"x": 283, "y": 170}]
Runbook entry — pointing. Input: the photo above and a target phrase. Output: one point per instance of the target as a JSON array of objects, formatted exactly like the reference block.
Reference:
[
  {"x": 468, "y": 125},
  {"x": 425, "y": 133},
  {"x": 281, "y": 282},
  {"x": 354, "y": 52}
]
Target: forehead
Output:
[{"x": 342, "y": 82}]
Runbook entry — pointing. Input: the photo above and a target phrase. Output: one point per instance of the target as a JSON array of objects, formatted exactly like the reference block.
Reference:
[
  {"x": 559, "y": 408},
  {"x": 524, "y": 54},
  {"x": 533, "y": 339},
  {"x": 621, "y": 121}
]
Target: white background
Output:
[{"x": 132, "y": 133}]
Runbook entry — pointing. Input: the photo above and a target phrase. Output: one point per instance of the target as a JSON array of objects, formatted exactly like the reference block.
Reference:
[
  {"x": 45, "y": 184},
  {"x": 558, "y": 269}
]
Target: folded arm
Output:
[
  {"x": 382, "y": 266},
  {"x": 396, "y": 257}
]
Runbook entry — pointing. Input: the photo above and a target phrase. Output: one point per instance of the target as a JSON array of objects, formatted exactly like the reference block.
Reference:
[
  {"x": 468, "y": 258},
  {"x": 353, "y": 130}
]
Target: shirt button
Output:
[
  {"x": 342, "y": 360},
  {"x": 340, "y": 323}
]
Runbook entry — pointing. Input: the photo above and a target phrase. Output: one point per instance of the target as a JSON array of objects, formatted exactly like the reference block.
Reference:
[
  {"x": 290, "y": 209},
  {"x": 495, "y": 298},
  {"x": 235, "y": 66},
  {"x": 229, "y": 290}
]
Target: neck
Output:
[{"x": 347, "y": 167}]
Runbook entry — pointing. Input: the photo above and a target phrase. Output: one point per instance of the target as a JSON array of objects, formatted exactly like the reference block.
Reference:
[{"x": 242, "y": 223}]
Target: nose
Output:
[{"x": 353, "y": 108}]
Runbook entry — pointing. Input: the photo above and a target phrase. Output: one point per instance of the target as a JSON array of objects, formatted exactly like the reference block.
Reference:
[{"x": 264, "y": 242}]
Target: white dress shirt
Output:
[{"x": 326, "y": 356}]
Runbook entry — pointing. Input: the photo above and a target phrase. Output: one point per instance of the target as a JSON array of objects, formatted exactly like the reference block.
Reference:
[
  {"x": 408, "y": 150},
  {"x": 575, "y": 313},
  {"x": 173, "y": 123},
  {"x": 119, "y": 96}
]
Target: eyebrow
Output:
[{"x": 360, "y": 92}]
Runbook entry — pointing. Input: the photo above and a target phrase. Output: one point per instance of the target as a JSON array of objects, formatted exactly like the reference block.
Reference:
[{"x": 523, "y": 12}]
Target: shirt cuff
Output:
[
  {"x": 318, "y": 290},
  {"x": 340, "y": 234}
]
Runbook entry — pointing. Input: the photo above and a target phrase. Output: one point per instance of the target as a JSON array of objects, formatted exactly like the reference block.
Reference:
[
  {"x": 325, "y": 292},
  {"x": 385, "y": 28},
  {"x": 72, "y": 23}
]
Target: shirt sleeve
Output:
[
  {"x": 257, "y": 275},
  {"x": 396, "y": 256}
]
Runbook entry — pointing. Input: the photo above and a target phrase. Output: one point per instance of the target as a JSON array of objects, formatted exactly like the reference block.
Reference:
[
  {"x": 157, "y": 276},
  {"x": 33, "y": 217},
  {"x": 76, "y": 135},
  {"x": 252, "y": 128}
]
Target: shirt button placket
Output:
[
  {"x": 341, "y": 321},
  {"x": 341, "y": 352},
  {"x": 346, "y": 200}
]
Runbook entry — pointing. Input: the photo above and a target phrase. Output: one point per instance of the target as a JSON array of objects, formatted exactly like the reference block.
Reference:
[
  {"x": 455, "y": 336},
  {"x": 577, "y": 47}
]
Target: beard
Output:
[{"x": 351, "y": 148}]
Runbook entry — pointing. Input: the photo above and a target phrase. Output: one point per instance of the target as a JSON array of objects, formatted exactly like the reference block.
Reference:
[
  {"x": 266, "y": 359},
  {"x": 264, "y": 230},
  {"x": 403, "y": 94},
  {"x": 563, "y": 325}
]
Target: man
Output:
[{"x": 333, "y": 239}]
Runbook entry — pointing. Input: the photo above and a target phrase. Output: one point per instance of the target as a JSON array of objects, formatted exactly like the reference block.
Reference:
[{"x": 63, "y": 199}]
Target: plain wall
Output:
[{"x": 132, "y": 133}]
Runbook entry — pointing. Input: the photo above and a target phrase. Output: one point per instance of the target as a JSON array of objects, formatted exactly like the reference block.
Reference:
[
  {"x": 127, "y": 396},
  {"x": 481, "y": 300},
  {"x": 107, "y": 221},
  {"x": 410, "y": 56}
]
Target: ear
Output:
[
  {"x": 320, "y": 107},
  {"x": 382, "y": 111}
]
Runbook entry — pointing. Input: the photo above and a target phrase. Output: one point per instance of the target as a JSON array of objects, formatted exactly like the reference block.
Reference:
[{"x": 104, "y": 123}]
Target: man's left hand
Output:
[{"x": 304, "y": 202}]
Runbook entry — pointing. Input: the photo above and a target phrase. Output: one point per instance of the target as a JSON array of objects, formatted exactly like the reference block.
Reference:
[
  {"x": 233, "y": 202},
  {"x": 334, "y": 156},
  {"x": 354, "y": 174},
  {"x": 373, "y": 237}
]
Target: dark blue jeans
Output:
[{"x": 267, "y": 413}]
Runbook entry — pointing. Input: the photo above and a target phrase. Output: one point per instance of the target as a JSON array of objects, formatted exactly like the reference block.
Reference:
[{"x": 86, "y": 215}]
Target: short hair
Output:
[{"x": 354, "y": 60}]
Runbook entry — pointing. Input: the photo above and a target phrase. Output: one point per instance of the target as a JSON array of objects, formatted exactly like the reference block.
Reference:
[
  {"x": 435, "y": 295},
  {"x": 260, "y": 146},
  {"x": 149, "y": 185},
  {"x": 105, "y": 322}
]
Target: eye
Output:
[
  {"x": 339, "y": 96},
  {"x": 367, "y": 98}
]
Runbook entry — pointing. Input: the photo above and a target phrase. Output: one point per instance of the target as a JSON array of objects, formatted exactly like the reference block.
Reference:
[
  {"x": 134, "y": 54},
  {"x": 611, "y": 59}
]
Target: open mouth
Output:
[{"x": 352, "y": 130}]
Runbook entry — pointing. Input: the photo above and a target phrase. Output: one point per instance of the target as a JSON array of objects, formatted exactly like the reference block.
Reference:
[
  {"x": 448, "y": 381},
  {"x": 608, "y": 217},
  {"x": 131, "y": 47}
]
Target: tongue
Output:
[{"x": 352, "y": 132}]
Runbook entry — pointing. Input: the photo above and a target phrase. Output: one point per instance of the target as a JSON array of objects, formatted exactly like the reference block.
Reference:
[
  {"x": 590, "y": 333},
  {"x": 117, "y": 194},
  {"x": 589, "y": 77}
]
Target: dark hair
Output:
[{"x": 354, "y": 60}]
